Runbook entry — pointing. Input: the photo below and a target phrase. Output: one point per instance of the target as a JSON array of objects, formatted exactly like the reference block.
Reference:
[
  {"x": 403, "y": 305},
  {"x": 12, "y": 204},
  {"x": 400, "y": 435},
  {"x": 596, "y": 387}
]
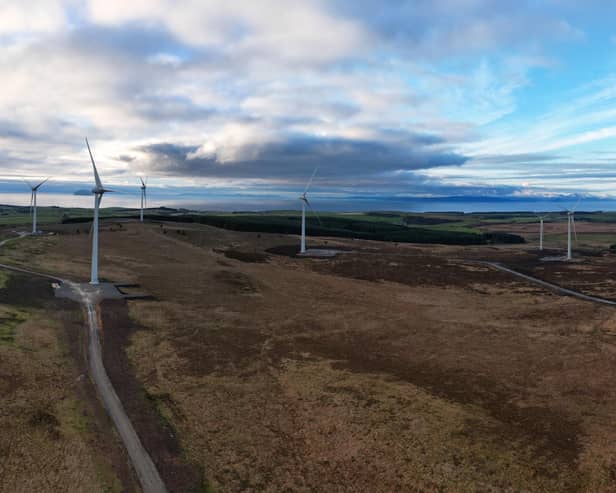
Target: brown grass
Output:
[
  {"x": 391, "y": 369},
  {"x": 47, "y": 438}
]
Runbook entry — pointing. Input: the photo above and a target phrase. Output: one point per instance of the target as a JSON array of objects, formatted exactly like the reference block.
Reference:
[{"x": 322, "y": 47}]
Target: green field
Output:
[
  {"x": 451, "y": 229},
  {"x": 445, "y": 228},
  {"x": 9, "y": 320},
  {"x": 14, "y": 215}
]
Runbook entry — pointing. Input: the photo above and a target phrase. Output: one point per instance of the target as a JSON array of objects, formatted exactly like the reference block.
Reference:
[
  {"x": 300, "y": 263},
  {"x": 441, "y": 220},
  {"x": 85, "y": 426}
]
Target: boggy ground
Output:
[
  {"x": 157, "y": 434},
  {"x": 389, "y": 368},
  {"x": 591, "y": 271}
]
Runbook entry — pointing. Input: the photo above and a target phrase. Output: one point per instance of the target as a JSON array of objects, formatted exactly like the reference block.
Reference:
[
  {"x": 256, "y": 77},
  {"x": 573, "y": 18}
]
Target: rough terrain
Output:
[
  {"x": 388, "y": 368},
  {"x": 54, "y": 435}
]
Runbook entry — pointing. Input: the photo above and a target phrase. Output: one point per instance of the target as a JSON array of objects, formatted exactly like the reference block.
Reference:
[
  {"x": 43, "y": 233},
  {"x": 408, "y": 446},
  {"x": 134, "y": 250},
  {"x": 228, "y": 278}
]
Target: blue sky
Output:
[{"x": 241, "y": 100}]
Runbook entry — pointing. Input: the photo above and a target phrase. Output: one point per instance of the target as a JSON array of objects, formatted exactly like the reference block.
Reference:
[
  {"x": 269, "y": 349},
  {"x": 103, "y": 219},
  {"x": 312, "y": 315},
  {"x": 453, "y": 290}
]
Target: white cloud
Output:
[
  {"x": 31, "y": 16},
  {"x": 235, "y": 142},
  {"x": 293, "y": 30},
  {"x": 231, "y": 79}
]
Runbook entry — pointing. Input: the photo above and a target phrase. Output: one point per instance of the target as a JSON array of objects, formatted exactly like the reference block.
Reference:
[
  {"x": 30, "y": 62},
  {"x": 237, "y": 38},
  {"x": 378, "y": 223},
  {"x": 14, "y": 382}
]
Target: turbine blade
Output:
[
  {"x": 573, "y": 225},
  {"x": 314, "y": 212},
  {"x": 145, "y": 198},
  {"x": 31, "y": 202},
  {"x": 142, "y": 183},
  {"x": 311, "y": 178},
  {"x": 576, "y": 205},
  {"x": 96, "y": 177},
  {"x": 37, "y": 187}
]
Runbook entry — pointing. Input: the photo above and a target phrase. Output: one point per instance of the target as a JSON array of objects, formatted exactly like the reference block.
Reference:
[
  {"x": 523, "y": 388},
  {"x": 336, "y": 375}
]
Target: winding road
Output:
[{"x": 89, "y": 297}]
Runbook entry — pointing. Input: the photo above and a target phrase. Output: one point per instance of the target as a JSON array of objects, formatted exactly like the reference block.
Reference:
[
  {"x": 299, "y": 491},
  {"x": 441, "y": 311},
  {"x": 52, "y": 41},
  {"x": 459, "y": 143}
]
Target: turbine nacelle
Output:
[
  {"x": 33, "y": 192},
  {"x": 144, "y": 196},
  {"x": 100, "y": 191},
  {"x": 305, "y": 200},
  {"x": 35, "y": 188}
]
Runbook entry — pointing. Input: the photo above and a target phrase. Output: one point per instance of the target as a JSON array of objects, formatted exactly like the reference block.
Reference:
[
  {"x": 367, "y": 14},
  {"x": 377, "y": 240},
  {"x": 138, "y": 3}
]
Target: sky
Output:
[{"x": 233, "y": 104}]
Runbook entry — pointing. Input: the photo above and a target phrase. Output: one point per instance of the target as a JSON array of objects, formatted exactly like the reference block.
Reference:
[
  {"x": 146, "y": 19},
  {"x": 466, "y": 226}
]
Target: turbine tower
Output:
[
  {"x": 305, "y": 204},
  {"x": 541, "y": 218},
  {"x": 98, "y": 192},
  {"x": 144, "y": 198},
  {"x": 34, "y": 189},
  {"x": 571, "y": 227}
]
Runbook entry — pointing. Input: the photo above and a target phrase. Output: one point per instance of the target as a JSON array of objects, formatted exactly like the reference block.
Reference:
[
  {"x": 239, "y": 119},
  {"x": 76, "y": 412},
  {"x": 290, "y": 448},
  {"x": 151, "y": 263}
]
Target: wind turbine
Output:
[
  {"x": 306, "y": 203},
  {"x": 144, "y": 199},
  {"x": 571, "y": 227},
  {"x": 98, "y": 192},
  {"x": 541, "y": 218},
  {"x": 34, "y": 189}
]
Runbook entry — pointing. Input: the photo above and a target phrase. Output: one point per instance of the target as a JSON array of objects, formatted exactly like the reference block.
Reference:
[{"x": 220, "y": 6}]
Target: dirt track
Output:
[
  {"x": 146, "y": 470},
  {"x": 550, "y": 286}
]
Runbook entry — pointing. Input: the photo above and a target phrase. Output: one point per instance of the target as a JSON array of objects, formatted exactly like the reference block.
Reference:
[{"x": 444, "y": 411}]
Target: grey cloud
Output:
[
  {"x": 13, "y": 130},
  {"x": 170, "y": 107},
  {"x": 516, "y": 158},
  {"x": 132, "y": 40},
  {"x": 125, "y": 158},
  {"x": 296, "y": 157}
]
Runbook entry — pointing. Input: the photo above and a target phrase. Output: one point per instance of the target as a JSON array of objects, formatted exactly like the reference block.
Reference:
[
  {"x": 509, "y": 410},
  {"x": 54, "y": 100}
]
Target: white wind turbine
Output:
[
  {"x": 571, "y": 227},
  {"x": 541, "y": 218},
  {"x": 306, "y": 203},
  {"x": 144, "y": 198},
  {"x": 98, "y": 192},
  {"x": 34, "y": 189}
]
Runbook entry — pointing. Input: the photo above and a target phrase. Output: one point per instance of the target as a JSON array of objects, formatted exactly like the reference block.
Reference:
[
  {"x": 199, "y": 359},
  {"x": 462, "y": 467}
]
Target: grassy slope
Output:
[{"x": 47, "y": 435}]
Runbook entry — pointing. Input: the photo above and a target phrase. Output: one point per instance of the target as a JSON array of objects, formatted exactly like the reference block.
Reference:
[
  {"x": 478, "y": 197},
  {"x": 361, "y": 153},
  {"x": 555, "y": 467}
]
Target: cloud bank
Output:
[{"x": 394, "y": 93}]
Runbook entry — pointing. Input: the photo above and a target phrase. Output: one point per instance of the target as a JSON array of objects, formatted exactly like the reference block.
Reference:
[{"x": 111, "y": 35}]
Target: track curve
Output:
[{"x": 148, "y": 475}]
